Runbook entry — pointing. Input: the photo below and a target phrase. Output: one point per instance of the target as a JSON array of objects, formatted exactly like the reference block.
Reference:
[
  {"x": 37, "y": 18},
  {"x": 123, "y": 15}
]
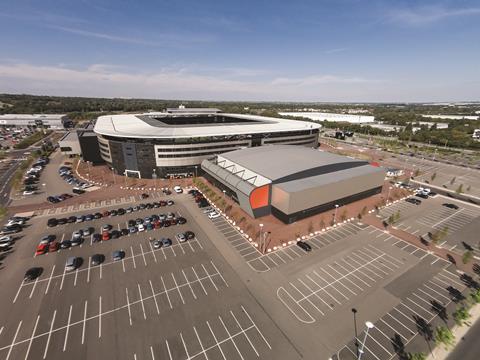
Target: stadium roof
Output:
[
  {"x": 281, "y": 163},
  {"x": 150, "y": 125}
]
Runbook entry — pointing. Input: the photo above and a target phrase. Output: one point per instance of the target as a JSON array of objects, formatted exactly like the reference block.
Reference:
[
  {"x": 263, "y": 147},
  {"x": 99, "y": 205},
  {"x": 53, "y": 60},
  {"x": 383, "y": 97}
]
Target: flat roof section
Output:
[{"x": 282, "y": 161}]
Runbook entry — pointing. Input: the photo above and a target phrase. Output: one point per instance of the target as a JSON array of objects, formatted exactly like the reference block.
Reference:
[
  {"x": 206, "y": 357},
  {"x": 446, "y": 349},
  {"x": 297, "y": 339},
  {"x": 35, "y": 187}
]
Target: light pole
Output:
[
  {"x": 388, "y": 194},
  {"x": 335, "y": 215},
  {"x": 125, "y": 173},
  {"x": 261, "y": 238},
  {"x": 154, "y": 177},
  {"x": 89, "y": 170},
  {"x": 434, "y": 154},
  {"x": 369, "y": 326},
  {"x": 354, "y": 311},
  {"x": 196, "y": 170},
  {"x": 113, "y": 175},
  {"x": 224, "y": 200}
]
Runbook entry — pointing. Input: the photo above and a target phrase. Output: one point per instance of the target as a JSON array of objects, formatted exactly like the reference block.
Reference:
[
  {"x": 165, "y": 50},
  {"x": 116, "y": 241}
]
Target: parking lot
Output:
[
  {"x": 461, "y": 224},
  {"x": 176, "y": 302}
]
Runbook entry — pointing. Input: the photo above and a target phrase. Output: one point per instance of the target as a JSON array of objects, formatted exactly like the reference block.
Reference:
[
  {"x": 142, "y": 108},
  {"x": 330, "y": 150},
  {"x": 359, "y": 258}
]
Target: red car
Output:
[
  {"x": 106, "y": 213},
  {"x": 53, "y": 246},
  {"x": 105, "y": 236},
  {"x": 41, "y": 249}
]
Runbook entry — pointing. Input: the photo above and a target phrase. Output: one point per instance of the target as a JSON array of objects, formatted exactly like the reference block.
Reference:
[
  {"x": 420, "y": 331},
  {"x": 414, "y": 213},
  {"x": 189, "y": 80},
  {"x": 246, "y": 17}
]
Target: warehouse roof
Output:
[
  {"x": 166, "y": 125},
  {"x": 281, "y": 163}
]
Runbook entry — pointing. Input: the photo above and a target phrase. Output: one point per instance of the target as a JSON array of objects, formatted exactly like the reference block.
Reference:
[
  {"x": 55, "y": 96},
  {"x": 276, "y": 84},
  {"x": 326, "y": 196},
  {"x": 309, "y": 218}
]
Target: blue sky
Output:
[{"x": 324, "y": 50}]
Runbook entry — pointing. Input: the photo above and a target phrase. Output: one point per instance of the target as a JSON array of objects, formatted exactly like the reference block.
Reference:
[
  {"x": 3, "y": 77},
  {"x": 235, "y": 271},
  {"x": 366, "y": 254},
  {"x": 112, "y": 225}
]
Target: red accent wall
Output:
[
  {"x": 374, "y": 163},
  {"x": 259, "y": 197}
]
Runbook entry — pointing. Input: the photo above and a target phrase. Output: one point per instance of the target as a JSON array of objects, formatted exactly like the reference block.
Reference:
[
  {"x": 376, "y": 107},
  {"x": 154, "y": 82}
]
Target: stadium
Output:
[{"x": 175, "y": 142}]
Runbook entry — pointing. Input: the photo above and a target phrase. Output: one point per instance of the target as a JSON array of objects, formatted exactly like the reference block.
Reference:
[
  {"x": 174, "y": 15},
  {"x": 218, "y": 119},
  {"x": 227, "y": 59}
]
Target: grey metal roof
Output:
[
  {"x": 325, "y": 179},
  {"x": 278, "y": 161}
]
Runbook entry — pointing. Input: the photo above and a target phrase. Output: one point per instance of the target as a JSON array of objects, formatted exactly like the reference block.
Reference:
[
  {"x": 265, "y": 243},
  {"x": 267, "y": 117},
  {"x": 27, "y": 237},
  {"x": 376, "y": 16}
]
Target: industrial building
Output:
[
  {"x": 292, "y": 182},
  {"x": 324, "y": 116},
  {"x": 82, "y": 142},
  {"x": 49, "y": 121},
  {"x": 175, "y": 142}
]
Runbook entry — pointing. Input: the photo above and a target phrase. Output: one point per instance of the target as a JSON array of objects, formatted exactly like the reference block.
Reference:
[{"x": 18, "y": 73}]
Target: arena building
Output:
[
  {"x": 175, "y": 142},
  {"x": 50, "y": 121},
  {"x": 292, "y": 182}
]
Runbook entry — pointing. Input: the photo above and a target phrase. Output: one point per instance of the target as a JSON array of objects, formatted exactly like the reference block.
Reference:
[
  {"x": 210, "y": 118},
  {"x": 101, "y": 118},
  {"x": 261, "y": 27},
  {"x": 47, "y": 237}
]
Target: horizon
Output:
[{"x": 326, "y": 52}]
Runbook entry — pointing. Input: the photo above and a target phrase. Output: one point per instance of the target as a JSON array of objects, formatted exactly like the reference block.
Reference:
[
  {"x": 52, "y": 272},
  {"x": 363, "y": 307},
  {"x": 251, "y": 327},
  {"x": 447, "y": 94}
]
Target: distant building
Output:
[
  {"x": 323, "y": 116},
  {"x": 49, "y": 121},
  {"x": 452, "y": 117},
  {"x": 69, "y": 144}
]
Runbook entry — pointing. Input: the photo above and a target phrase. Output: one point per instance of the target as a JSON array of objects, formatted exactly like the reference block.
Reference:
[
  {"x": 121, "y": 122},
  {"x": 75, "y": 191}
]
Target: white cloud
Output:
[
  {"x": 429, "y": 14},
  {"x": 104, "y": 80},
  {"x": 336, "y": 50}
]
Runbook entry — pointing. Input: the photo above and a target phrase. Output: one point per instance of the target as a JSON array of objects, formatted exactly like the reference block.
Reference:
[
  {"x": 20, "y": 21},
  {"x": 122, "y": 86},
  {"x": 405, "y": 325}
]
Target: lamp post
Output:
[
  {"x": 224, "y": 200},
  {"x": 89, "y": 170},
  {"x": 196, "y": 170},
  {"x": 335, "y": 215},
  {"x": 261, "y": 238},
  {"x": 125, "y": 173},
  {"x": 354, "y": 311},
  {"x": 154, "y": 177},
  {"x": 113, "y": 175},
  {"x": 369, "y": 326}
]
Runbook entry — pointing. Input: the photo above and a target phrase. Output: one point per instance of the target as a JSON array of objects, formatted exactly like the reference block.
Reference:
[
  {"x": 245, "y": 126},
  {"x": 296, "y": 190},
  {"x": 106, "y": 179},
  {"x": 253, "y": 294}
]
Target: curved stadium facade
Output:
[{"x": 176, "y": 142}]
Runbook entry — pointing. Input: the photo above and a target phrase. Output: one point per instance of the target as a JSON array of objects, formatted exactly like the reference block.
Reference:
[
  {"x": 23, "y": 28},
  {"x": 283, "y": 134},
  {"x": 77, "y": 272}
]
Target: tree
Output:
[
  {"x": 468, "y": 188},
  {"x": 453, "y": 180},
  {"x": 475, "y": 295},
  {"x": 364, "y": 211},
  {"x": 416, "y": 172},
  {"x": 343, "y": 216},
  {"x": 444, "y": 336},
  {"x": 467, "y": 256},
  {"x": 461, "y": 316},
  {"x": 310, "y": 227},
  {"x": 417, "y": 356},
  {"x": 434, "y": 175},
  {"x": 459, "y": 189},
  {"x": 322, "y": 223},
  {"x": 397, "y": 216}
]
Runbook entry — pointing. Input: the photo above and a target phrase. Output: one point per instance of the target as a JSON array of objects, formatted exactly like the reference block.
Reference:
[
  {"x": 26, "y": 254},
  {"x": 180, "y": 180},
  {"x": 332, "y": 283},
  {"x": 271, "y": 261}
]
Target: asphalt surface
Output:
[{"x": 468, "y": 347}]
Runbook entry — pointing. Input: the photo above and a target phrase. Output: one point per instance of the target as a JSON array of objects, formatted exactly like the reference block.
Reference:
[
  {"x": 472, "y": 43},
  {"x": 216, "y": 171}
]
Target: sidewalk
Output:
[{"x": 440, "y": 353}]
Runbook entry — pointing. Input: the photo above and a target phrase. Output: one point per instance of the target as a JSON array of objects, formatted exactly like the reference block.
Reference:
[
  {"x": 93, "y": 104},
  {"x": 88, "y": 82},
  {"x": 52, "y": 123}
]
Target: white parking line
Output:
[
  {"x": 68, "y": 328},
  {"x": 33, "y": 288},
  {"x": 185, "y": 346},
  {"x": 49, "y": 279},
  {"x": 31, "y": 338},
  {"x": 168, "y": 349},
  {"x": 154, "y": 297},
  {"x": 189, "y": 284},
  {"x": 18, "y": 291},
  {"x": 76, "y": 276},
  {"x": 123, "y": 264},
  {"x": 178, "y": 289},
  {"x": 198, "y": 279},
  {"x": 133, "y": 258},
  {"x": 84, "y": 321},
  {"x": 128, "y": 307},
  {"x": 100, "y": 317},
  {"x": 153, "y": 252},
  {"x": 216, "y": 341},
  {"x": 63, "y": 278},
  {"x": 211, "y": 280},
  {"x": 231, "y": 338},
  {"x": 49, "y": 334},
  {"x": 166, "y": 292},
  {"x": 141, "y": 302}
]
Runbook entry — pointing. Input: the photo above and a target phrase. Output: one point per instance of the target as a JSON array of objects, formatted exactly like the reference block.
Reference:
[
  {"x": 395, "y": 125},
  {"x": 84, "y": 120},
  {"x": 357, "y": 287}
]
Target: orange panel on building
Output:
[{"x": 259, "y": 197}]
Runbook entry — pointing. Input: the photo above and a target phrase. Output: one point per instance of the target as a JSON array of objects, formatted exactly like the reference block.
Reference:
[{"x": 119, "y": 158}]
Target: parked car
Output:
[
  {"x": 28, "y": 192},
  {"x": 97, "y": 259},
  {"x": 32, "y": 274},
  {"x": 157, "y": 244},
  {"x": 41, "y": 249},
  {"x": 106, "y": 227},
  {"x": 96, "y": 237},
  {"x": 105, "y": 236},
  {"x": 65, "y": 244},
  {"x": 47, "y": 239},
  {"x": 181, "y": 220},
  {"x": 54, "y": 246},
  {"x": 166, "y": 242},
  {"x": 118, "y": 255},
  {"x": 178, "y": 189},
  {"x": 141, "y": 227},
  {"x": 451, "y": 206},
  {"x": 170, "y": 202},
  {"x": 52, "y": 222},
  {"x": 189, "y": 235},
  {"x": 181, "y": 237},
  {"x": 144, "y": 196},
  {"x": 73, "y": 263},
  {"x": 213, "y": 215},
  {"x": 413, "y": 201},
  {"x": 303, "y": 245}
]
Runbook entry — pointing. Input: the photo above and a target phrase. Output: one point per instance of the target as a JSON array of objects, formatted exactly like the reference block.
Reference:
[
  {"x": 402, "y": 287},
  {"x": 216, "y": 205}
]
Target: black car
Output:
[
  {"x": 62, "y": 221},
  {"x": 131, "y": 223},
  {"x": 114, "y": 234},
  {"x": 451, "y": 206},
  {"x": 139, "y": 221},
  {"x": 156, "y": 204},
  {"x": 149, "y": 205},
  {"x": 413, "y": 201},
  {"x": 423, "y": 196},
  {"x": 121, "y": 211},
  {"x": 303, "y": 245},
  {"x": 124, "y": 232},
  {"x": 203, "y": 203},
  {"x": 52, "y": 222},
  {"x": 72, "y": 219},
  {"x": 97, "y": 259},
  {"x": 33, "y": 273},
  {"x": 96, "y": 237},
  {"x": 97, "y": 215},
  {"x": 189, "y": 235},
  {"x": 65, "y": 244},
  {"x": 12, "y": 229},
  {"x": 142, "y": 206},
  {"x": 181, "y": 220},
  {"x": 144, "y": 196},
  {"x": 113, "y": 212},
  {"x": 88, "y": 217}
]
